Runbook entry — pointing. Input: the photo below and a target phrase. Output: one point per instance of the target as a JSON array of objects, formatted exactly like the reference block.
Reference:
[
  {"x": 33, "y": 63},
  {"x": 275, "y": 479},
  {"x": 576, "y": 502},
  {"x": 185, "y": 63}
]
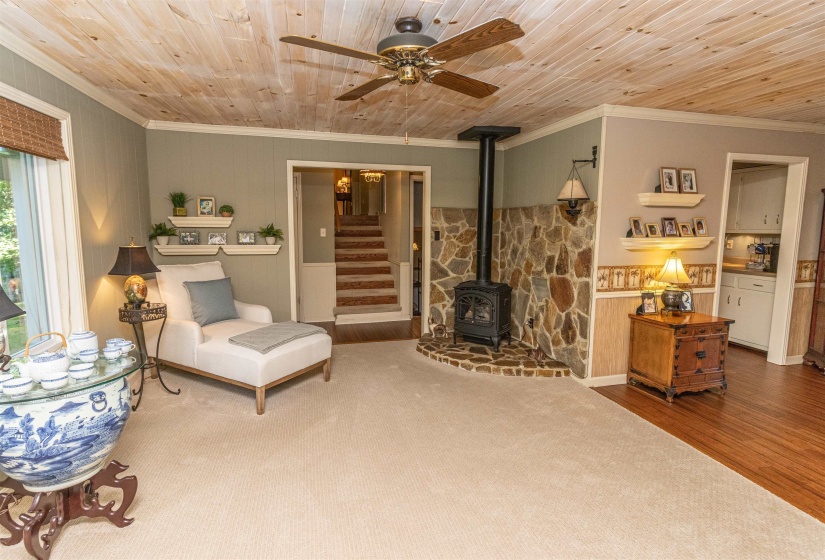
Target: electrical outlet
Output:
[
  {"x": 323, "y": 232},
  {"x": 437, "y": 235},
  {"x": 729, "y": 244}
]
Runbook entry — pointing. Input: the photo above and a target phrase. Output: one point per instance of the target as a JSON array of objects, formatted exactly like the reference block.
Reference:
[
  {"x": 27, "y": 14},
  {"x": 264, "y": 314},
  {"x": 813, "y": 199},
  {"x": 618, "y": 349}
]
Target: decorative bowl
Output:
[
  {"x": 54, "y": 443},
  {"x": 5, "y": 377},
  {"x": 81, "y": 371},
  {"x": 89, "y": 356},
  {"x": 17, "y": 386},
  {"x": 52, "y": 381}
]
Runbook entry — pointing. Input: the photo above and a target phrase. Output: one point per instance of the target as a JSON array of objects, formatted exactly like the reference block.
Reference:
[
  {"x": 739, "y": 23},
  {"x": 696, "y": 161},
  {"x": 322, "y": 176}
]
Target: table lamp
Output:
[
  {"x": 672, "y": 273},
  {"x": 8, "y": 310},
  {"x": 132, "y": 261}
]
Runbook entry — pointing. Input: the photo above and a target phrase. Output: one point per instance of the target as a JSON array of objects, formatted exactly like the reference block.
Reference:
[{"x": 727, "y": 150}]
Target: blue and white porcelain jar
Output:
[{"x": 50, "y": 444}]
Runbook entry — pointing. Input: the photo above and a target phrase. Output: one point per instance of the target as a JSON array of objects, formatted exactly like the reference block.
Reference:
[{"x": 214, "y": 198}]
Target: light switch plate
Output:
[
  {"x": 323, "y": 232},
  {"x": 729, "y": 244}
]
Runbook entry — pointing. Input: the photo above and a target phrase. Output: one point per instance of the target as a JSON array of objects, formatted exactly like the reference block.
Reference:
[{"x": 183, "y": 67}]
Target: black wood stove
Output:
[{"x": 482, "y": 307}]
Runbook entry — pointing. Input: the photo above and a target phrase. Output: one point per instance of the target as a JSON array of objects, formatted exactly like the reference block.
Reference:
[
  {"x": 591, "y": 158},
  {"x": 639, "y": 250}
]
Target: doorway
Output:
[
  {"x": 761, "y": 298},
  {"x": 313, "y": 288}
]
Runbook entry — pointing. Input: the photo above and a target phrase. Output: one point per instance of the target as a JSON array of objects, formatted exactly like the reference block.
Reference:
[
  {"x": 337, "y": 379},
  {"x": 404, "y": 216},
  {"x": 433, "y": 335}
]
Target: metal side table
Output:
[{"x": 136, "y": 316}]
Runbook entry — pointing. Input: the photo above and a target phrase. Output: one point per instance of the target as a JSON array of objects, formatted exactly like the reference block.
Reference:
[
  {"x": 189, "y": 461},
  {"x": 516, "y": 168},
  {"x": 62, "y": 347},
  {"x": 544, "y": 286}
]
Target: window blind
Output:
[{"x": 29, "y": 131}]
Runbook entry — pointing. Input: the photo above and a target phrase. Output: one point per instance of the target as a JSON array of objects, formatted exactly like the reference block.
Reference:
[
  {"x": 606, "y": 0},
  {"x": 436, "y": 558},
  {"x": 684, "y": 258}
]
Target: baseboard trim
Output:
[
  {"x": 325, "y": 319},
  {"x": 605, "y": 380},
  {"x": 795, "y": 360},
  {"x": 371, "y": 318}
]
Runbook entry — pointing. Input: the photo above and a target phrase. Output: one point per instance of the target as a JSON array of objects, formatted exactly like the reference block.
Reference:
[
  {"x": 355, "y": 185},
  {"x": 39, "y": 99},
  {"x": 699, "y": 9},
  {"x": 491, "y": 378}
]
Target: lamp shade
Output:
[
  {"x": 573, "y": 190},
  {"x": 8, "y": 309},
  {"x": 133, "y": 259},
  {"x": 673, "y": 272}
]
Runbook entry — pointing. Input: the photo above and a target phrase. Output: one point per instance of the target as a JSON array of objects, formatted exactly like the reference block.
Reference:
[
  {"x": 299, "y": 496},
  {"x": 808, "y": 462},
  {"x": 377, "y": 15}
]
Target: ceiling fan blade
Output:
[
  {"x": 333, "y": 48},
  {"x": 486, "y": 35},
  {"x": 461, "y": 84},
  {"x": 366, "y": 88}
]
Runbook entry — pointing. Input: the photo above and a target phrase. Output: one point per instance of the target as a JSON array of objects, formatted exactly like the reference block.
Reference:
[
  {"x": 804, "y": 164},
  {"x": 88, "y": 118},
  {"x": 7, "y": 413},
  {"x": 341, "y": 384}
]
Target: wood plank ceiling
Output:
[{"x": 220, "y": 61}]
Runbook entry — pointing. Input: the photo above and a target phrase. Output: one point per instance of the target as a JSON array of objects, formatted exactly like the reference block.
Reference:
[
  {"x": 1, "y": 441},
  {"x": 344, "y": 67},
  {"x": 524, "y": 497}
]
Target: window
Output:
[{"x": 21, "y": 246}]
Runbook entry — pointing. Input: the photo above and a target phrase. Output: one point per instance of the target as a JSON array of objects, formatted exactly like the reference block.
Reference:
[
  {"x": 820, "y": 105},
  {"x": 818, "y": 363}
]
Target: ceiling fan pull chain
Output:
[{"x": 406, "y": 117}]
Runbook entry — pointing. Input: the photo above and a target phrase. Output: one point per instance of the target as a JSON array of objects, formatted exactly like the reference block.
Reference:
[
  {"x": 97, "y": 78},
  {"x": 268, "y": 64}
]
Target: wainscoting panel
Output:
[
  {"x": 611, "y": 333},
  {"x": 803, "y": 300},
  {"x": 403, "y": 283},
  {"x": 317, "y": 292}
]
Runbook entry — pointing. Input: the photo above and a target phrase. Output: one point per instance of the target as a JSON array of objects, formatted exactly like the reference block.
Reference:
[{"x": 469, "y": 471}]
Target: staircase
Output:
[{"x": 364, "y": 283}]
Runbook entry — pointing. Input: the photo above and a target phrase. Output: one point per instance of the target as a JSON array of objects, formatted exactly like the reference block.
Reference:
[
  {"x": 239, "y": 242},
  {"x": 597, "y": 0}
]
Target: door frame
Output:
[
  {"x": 292, "y": 235},
  {"x": 791, "y": 229},
  {"x": 297, "y": 209},
  {"x": 414, "y": 178}
]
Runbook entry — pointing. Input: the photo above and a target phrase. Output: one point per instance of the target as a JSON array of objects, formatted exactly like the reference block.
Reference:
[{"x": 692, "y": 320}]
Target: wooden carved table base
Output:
[{"x": 50, "y": 511}]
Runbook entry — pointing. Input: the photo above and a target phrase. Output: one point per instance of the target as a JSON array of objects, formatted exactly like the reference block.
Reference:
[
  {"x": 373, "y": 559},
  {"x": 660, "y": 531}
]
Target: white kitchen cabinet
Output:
[
  {"x": 756, "y": 201},
  {"x": 750, "y": 303}
]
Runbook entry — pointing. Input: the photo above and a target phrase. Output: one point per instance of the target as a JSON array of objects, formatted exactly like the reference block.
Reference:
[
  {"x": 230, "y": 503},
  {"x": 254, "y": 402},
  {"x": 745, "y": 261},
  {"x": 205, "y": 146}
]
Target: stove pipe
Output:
[{"x": 487, "y": 137}]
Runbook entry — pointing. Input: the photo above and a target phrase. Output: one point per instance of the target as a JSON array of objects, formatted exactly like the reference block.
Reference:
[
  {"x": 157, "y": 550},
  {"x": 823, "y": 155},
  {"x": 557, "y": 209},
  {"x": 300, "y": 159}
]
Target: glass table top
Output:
[{"x": 105, "y": 372}]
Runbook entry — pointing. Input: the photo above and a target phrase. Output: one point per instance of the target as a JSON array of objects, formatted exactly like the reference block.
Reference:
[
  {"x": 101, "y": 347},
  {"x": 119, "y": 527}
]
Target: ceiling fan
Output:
[{"x": 413, "y": 56}]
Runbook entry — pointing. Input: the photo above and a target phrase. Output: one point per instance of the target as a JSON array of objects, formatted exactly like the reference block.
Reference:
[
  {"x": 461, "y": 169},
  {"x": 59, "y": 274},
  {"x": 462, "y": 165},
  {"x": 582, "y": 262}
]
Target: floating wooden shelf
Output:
[
  {"x": 673, "y": 200},
  {"x": 172, "y": 250},
  {"x": 201, "y": 221},
  {"x": 671, "y": 243},
  {"x": 251, "y": 249}
]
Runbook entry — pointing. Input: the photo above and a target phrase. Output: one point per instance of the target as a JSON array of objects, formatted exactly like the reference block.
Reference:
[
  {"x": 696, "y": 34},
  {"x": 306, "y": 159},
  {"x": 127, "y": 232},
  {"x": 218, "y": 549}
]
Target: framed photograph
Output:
[
  {"x": 206, "y": 206},
  {"x": 701, "y": 227},
  {"x": 636, "y": 227},
  {"x": 670, "y": 179},
  {"x": 685, "y": 229},
  {"x": 217, "y": 239},
  {"x": 653, "y": 229},
  {"x": 190, "y": 237},
  {"x": 686, "y": 301},
  {"x": 669, "y": 227},
  {"x": 687, "y": 181},
  {"x": 246, "y": 238},
  {"x": 649, "y": 305}
]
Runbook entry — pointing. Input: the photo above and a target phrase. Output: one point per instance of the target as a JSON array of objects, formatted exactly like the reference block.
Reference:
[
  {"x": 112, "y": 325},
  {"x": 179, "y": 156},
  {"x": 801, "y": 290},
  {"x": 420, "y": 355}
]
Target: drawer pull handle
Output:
[
  {"x": 728, "y": 299},
  {"x": 701, "y": 354},
  {"x": 702, "y": 331},
  {"x": 739, "y": 302},
  {"x": 760, "y": 285}
]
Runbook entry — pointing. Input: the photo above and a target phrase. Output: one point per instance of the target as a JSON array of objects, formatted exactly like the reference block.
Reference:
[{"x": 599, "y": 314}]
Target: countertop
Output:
[{"x": 736, "y": 268}]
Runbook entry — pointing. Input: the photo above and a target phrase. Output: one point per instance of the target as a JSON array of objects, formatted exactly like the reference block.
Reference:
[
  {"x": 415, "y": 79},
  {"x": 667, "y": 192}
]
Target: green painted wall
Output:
[
  {"x": 112, "y": 183},
  {"x": 535, "y": 172},
  {"x": 318, "y": 212}
]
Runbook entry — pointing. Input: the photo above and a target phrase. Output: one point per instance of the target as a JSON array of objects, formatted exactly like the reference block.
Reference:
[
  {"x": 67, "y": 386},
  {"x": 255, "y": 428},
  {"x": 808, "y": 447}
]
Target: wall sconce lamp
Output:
[
  {"x": 672, "y": 273},
  {"x": 342, "y": 185},
  {"x": 573, "y": 190},
  {"x": 371, "y": 176}
]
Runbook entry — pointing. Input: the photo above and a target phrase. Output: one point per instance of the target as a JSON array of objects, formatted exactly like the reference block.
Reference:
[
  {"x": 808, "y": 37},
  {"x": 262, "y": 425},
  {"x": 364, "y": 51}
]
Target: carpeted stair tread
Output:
[
  {"x": 363, "y": 309},
  {"x": 364, "y": 281}
]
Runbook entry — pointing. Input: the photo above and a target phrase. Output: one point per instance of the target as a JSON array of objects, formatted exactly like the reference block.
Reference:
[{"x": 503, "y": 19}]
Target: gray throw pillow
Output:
[{"x": 211, "y": 301}]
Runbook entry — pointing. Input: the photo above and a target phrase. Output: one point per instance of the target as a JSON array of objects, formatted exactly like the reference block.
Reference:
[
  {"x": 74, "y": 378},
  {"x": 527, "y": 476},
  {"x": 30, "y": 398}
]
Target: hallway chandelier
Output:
[{"x": 371, "y": 176}]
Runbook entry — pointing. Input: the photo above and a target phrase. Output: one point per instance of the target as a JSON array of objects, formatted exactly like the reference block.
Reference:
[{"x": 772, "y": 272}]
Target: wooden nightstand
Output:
[{"x": 678, "y": 354}]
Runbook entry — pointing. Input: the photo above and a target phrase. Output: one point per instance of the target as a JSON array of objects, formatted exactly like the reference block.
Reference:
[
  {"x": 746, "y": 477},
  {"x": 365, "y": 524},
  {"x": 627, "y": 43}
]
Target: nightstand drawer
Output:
[{"x": 710, "y": 330}]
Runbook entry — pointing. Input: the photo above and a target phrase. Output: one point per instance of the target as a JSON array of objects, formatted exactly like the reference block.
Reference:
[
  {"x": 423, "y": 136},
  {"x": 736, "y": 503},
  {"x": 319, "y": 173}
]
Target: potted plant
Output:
[
  {"x": 178, "y": 200},
  {"x": 162, "y": 233},
  {"x": 271, "y": 234},
  {"x": 226, "y": 211}
]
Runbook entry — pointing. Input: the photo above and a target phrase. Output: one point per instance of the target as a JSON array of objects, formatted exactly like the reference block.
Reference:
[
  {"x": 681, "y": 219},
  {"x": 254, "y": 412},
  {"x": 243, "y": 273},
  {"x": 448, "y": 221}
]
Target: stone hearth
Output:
[{"x": 510, "y": 360}]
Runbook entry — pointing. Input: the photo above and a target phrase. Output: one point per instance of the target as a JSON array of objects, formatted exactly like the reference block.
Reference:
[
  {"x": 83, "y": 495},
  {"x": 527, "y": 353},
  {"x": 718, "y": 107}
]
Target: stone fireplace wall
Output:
[
  {"x": 546, "y": 257},
  {"x": 454, "y": 257}
]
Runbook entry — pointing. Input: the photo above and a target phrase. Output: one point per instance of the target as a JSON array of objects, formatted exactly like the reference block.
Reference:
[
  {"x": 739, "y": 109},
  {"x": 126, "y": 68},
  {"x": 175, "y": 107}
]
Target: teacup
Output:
[
  {"x": 17, "y": 386},
  {"x": 113, "y": 341},
  {"x": 111, "y": 353},
  {"x": 81, "y": 371},
  {"x": 55, "y": 380},
  {"x": 89, "y": 355},
  {"x": 125, "y": 346}
]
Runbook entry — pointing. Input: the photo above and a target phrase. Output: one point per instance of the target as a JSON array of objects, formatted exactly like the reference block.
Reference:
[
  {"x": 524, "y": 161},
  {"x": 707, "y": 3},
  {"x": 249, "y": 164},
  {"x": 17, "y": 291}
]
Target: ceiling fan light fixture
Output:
[{"x": 409, "y": 75}]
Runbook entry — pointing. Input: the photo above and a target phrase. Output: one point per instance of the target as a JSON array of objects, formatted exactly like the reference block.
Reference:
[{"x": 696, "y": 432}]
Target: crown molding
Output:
[
  {"x": 708, "y": 119},
  {"x": 557, "y": 126},
  {"x": 305, "y": 135},
  {"x": 20, "y": 47}
]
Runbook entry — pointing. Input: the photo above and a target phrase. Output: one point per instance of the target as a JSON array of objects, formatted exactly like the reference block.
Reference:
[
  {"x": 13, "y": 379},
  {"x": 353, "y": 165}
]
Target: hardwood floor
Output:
[
  {"x": 373, "y": 332},
  {"x": 769, "y": 427}
]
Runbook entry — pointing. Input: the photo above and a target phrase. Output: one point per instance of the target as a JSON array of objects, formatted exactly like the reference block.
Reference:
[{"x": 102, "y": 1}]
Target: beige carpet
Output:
[{"x": 401, "y": 457}]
